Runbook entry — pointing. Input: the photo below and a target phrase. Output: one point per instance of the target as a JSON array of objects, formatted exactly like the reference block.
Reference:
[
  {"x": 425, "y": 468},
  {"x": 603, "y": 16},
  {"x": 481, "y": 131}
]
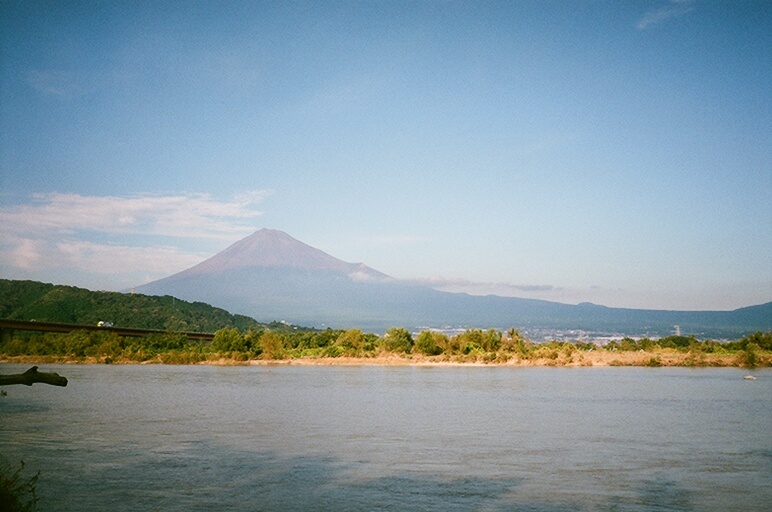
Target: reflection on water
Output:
[{"x": 393, "y": 438}]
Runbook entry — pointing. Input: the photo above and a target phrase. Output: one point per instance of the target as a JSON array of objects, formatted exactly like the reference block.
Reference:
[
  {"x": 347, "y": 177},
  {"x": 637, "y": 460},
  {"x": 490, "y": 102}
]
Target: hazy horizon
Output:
[{"x": 604, "y": 152}]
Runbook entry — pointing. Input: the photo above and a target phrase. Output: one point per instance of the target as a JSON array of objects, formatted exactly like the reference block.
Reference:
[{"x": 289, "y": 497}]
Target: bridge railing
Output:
[{"x": 8, "y": 326}]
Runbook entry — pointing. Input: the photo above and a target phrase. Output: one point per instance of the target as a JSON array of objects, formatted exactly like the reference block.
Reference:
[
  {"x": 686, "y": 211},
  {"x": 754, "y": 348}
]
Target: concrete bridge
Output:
[{"x": 8, "y": 326}]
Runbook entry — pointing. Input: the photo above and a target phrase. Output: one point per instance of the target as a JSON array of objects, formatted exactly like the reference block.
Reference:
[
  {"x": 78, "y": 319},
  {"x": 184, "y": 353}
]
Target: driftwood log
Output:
[{"x": 32, "y": 376}]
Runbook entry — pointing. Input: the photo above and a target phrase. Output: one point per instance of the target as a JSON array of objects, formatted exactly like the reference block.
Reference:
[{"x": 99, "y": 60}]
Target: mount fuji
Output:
[{"x": 271, "y": 276}]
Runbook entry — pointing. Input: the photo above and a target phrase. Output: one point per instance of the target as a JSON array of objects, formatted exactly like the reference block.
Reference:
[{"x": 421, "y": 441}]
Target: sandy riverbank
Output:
[
  {"x": 596, "y": 358},
  {"x": 578, "y": 359}
]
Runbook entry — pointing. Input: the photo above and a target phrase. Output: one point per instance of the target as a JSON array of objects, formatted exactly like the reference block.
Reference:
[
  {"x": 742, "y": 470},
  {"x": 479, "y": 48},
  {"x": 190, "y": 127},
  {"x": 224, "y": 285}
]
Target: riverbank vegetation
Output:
[
  {"x": 241, "y": 340},
  {"x": 232, "y": 345}
]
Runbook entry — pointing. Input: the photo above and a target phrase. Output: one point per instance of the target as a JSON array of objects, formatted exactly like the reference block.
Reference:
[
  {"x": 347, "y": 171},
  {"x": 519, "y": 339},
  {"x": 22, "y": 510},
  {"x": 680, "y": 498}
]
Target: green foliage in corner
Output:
[{"x": 17, "y": 492}]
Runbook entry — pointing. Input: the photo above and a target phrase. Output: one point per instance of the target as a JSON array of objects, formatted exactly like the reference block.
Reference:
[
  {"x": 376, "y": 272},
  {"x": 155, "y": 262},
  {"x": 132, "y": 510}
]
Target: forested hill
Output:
[{"x": 44, "y": 302}]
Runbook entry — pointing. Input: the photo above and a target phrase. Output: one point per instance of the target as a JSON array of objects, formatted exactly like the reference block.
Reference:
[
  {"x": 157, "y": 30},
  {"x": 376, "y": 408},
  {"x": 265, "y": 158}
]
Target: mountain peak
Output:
[{"x": 275, "y": 248}]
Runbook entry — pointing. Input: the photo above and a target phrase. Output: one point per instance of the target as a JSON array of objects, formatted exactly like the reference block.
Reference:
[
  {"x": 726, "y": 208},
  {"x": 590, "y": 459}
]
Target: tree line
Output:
[{"x": 255, "y": 343}]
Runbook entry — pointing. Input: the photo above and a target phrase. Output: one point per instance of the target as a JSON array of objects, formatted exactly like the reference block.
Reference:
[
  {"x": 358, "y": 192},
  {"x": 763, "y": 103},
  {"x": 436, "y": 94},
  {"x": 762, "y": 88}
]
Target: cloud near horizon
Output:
[
  {"x": 483, "y": 288},
  {"x": 85, "y": 233}
]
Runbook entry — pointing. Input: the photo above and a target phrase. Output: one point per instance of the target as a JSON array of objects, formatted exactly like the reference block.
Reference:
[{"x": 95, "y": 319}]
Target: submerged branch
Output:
[{"x": 32, "y": 376}]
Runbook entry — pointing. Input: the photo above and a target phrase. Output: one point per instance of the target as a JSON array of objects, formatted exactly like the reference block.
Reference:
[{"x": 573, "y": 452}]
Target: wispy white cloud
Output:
[
  {"x": 178, "y": 216},
  {"x": 83, "y": 233},
  {"x": 674, "y": 9},
  {"x": 58, "y": 83},
  {"x": 23, "y": 253},
  {"x": 564, "y": 294},
  {"x": 115, "y": 259},
  {"x": 35, "y": 254},
  {"x": 461, "y": 285}
]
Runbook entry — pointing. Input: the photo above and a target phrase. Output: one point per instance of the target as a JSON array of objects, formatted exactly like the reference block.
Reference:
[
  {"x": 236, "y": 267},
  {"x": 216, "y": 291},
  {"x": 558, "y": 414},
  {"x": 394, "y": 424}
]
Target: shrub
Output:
[
  {"x": 17, "y": 493},
  {"x": 472, "y": 348},
  {"x": 430, "y": 343},
  {"x": 628, "y": 344},
  {"x": 676, "y": 341},
  {"x": 229, "y": 340},
  {"x": 488, "y": 341},
  {"x": 76, "y": 343},
  {"x": 761, "y": 340},
  {"x": 646, "y": 344},
  {"x": 351, "y": 342},
  {"x": 398, "y": 339},
  {"x": 181, "y": 357},
  {"x": 252, "y": 340},
  {"x": 272, "y": 346},
  {"x": 332, "y": 351},
  {"x": 751, "y": 357}
]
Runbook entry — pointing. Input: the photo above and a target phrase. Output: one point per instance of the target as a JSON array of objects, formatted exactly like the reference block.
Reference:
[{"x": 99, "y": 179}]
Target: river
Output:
[{"x": 285, "y": 438}]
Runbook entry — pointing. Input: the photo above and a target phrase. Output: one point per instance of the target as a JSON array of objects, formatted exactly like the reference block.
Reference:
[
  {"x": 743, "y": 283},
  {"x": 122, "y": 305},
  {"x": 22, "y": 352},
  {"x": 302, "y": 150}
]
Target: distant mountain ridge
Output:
[{"x": 272, "y": 276}]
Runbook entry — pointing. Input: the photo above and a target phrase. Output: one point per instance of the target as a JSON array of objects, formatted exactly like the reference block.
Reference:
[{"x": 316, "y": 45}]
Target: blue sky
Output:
[{"x": 612, "y": 152}]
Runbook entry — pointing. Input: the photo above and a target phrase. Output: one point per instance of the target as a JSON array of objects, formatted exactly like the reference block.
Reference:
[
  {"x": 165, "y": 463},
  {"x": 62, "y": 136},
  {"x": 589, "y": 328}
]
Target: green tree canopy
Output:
[
  {"x": 398, "y": 339},
  {"x": 430, "y": 343}
]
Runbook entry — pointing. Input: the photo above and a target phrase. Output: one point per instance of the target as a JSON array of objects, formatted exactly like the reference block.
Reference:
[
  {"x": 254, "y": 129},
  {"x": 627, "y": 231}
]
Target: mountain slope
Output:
[
  {"x": 271, "y": 276},
  {"x": 269, "y": 248},
  {"x": 32, "y": 300}
]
